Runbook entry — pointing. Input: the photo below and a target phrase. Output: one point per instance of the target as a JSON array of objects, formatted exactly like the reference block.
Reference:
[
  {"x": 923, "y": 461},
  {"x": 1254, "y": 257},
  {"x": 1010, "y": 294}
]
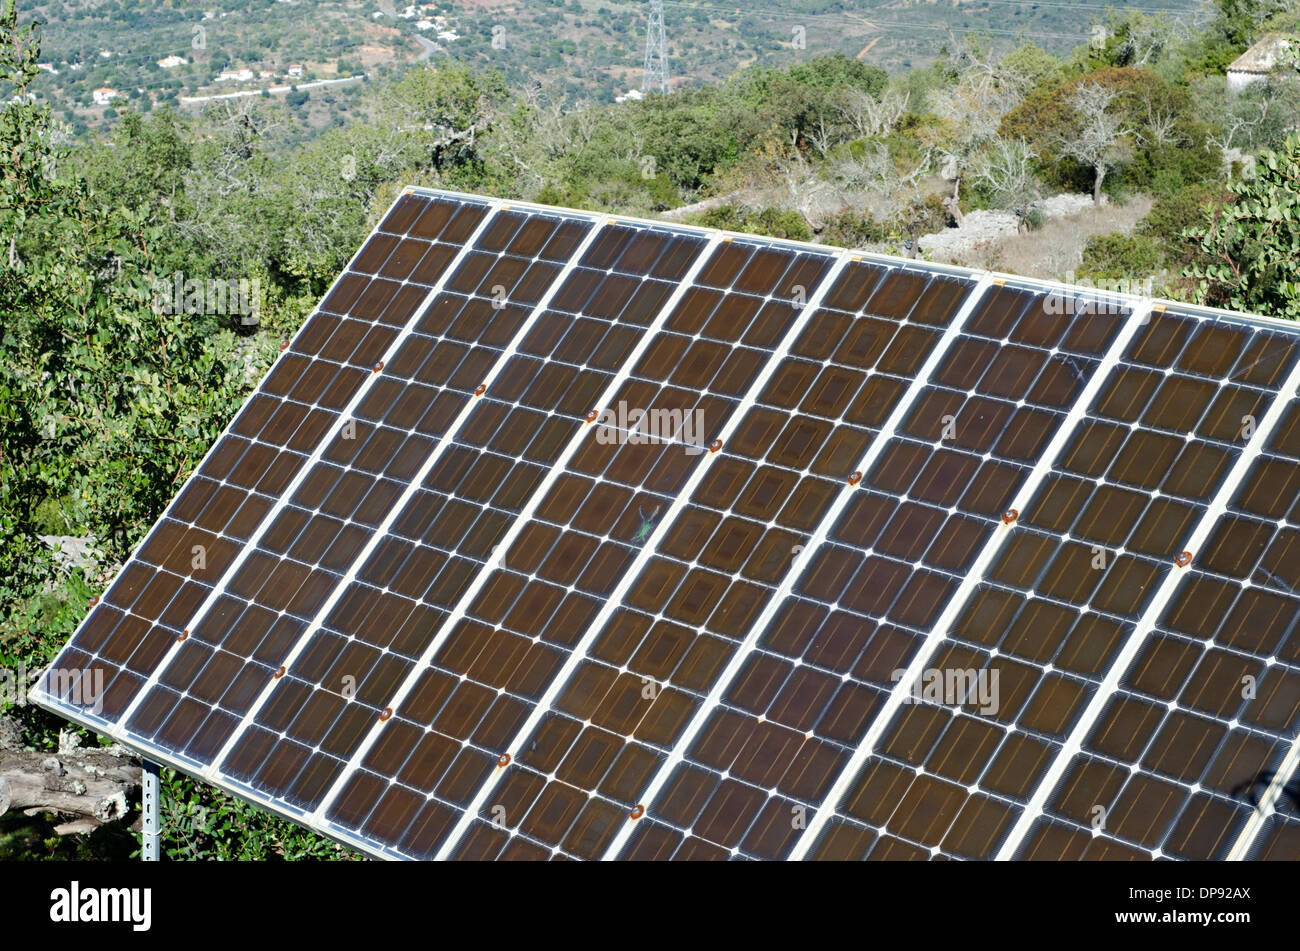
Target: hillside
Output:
[{"x": 154, "y": 54}]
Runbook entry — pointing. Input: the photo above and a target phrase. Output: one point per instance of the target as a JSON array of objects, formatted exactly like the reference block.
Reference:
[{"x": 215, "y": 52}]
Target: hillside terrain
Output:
[{"x": 168, "y": 53}]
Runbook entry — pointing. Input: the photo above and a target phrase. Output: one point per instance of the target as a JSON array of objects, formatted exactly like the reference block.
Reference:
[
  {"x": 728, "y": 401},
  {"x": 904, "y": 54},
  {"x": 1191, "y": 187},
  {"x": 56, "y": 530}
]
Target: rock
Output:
[
  {"x": 73, "y": 551},
  {"x": 984, "y": 228}
]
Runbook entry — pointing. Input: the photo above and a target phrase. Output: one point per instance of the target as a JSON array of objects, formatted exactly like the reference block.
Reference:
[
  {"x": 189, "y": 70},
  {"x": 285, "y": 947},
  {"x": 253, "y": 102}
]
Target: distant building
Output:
[
  {"x": 171, "y": 62},
  {"x": 424, "y": 24},
  {"x": 265, "y": 74},
  {"x": 632, "y": 95},
  {"x": 1255, "y": 65},
  {"x": 377, "y": 15},
  {"x": 235, "y": 76},
  {"x": 449, "y": 36},
  {"x": 104, "y": 95},
  {"x": 48, "y": 68},
  {"x": 295, "y": 70}
]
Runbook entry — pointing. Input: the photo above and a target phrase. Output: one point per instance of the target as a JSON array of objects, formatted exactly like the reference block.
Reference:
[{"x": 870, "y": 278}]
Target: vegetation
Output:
[
  {"x": 108, "y": 400},
  {"x": 1249, "y": 249}
]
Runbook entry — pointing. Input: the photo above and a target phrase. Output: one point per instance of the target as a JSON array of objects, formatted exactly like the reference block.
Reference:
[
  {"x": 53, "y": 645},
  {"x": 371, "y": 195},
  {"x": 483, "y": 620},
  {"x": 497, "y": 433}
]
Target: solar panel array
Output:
[{"x": 554, "y": 535}]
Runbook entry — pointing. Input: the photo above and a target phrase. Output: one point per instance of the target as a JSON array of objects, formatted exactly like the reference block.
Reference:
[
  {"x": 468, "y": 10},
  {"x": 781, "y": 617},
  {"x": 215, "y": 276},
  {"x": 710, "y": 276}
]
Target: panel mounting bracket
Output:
[{"x": 150, "y": 801}]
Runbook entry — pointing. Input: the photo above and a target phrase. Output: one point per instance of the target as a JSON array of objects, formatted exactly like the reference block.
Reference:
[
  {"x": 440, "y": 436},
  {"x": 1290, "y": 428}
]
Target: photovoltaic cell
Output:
[
  {"x": 267, "y": 445},
  {"x": 1166, "y": 764},
  {"x": 550, "y": 535}
]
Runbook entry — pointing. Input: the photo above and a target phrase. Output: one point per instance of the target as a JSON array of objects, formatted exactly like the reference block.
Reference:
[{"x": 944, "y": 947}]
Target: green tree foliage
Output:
[
  {"x": 1164, "y": 150},
  {"x": 104, "y": 401},
  {"x": 1248, "y": 250},
  {"x": 1039, "y": 67}
]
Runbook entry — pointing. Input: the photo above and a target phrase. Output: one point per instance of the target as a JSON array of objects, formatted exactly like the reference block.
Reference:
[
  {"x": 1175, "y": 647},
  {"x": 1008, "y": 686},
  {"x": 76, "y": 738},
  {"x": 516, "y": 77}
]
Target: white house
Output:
[
  {"x": 1255, "y": 65},
  {"x": 295, "y": 70},
  {"x": 235, "y": 76},
  {"x": 48, "y": 68},
  {"x": 449, "y": 36},
  {"x": 424, "y": 24},
  {"x": 171, "y": 62},
  {"x": 104, "y": 95},
  {"x": 632, "y": 95}
]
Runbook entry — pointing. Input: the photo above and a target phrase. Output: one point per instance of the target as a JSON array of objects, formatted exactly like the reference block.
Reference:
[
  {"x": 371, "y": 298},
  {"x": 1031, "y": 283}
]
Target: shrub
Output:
[
  {"x": 771, "y": 222},
  {"x": 1178, "y": 210},
  {"x": 851, "y": 229},
  {"x": 1113, "y": 256},
  {"x": 1244, "y": 253}
]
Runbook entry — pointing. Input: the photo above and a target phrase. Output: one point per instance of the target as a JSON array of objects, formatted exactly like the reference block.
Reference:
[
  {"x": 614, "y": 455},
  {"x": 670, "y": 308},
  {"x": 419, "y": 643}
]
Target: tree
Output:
[
  {"x": 445, "y": 112},
  {"x": 868, "y": 167},
  {"x": 1006, "y": 170},
  {"x": 104, "y": 402},
  {"x": 1134, "y": 39},
  {"x": 144, "y": 165},
  {"x": 1097, "y": 140},
  {"x": 1247, "y": 251},
  {"x": 973, "y": 109},
  {"x": 1239, "y": 19},
  {"x": 870, "y": 116}
]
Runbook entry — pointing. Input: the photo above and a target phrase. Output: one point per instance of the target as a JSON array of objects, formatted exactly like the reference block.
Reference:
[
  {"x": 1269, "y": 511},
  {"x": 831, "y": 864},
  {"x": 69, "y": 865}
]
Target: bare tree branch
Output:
[{"x": 1097, "y": 141}]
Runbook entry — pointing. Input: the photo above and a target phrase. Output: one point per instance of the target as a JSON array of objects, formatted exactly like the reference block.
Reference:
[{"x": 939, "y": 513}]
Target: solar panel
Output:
[{"x": 556, "y": 535}]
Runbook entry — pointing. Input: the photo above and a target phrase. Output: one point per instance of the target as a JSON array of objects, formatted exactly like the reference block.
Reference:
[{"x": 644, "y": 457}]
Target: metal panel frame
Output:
[{"x": 713, "y": 235}]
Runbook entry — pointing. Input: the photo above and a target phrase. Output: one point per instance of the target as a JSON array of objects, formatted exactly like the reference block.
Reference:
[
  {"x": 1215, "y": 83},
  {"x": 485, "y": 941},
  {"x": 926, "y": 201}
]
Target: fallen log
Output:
[{"x": 88, "y": 784}]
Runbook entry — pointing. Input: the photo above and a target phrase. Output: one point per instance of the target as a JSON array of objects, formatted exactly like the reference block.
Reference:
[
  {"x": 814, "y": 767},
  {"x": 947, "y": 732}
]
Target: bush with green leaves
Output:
[
  {"x": 1247, "y": 251},
  {"x": 772, "y": 222},
  {"x": 853, "y": 229},
  {"x": 1173, "y": 213},
  {"x": 107, "y": 401},
  {"x": 1115, "y": 256}
]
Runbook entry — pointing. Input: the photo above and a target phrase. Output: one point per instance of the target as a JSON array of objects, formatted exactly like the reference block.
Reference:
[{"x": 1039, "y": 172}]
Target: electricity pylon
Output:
[{"x": 656, "y": 51}]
